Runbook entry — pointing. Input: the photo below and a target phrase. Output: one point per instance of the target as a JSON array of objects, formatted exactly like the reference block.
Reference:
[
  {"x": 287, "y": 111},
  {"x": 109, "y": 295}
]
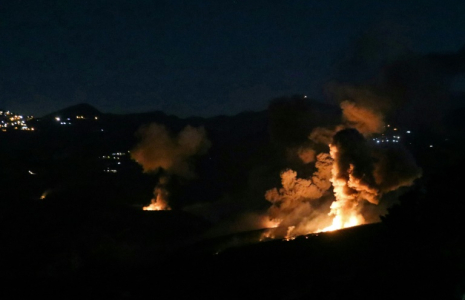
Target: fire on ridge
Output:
[{"x": 354, "y": 175}]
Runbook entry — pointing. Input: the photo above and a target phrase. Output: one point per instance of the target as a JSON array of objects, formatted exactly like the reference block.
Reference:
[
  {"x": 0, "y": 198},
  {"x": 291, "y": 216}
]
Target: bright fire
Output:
[
  {"x": 158, "y": 204},
  {"x": 338, "y": 223},
  {"x": 344, "y": 209},
  {"x": 348, "y": 189}
]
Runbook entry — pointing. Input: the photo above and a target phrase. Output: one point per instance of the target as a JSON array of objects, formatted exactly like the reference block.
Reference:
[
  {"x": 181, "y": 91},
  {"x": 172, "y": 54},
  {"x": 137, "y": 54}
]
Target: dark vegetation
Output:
[{"x": 89, "y": 237}]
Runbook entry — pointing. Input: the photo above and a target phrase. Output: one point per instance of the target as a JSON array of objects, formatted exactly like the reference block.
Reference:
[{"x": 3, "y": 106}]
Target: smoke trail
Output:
[{"x": 159, "y": 150}]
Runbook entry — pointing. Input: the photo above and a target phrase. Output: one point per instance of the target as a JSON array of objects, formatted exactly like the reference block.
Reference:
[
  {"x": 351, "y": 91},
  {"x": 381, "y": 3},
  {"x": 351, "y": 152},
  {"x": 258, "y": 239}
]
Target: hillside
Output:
[{"x": 71, "y": 214}]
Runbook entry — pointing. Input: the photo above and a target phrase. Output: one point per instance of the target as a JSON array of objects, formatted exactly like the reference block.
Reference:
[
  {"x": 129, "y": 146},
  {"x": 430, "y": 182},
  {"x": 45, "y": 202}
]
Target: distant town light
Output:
[
  {"x": 408, "y": 131},
  {"x": 431, "y": 146},
  {"x": 57, "y": 118}
]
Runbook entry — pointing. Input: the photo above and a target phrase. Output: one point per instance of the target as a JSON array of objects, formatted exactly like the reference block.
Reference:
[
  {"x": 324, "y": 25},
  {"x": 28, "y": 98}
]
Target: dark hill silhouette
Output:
[
  {"x": 81, "y": 109},
  {"x": 69, "y": 153}
]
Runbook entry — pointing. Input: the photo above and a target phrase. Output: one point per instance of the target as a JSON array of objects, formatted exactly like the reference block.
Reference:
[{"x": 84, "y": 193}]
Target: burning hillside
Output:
[{"x": 352, "y": 174}]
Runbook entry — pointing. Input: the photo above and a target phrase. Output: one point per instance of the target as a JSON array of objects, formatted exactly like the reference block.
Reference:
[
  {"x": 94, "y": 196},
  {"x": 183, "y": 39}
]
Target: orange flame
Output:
[
  {"x": 158, "y": 204},
  {"x": 338, "y": 223},
  {"x": 344, "y": 208}
]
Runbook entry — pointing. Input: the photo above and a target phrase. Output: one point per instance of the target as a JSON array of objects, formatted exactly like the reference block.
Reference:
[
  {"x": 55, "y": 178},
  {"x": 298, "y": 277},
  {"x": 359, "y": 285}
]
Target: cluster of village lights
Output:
[{"x": 10, "y": 120}]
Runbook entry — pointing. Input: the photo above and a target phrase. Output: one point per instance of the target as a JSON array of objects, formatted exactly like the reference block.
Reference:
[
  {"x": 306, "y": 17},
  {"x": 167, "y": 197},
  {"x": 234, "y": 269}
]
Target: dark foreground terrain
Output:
[{"x": 365, "y": 262}]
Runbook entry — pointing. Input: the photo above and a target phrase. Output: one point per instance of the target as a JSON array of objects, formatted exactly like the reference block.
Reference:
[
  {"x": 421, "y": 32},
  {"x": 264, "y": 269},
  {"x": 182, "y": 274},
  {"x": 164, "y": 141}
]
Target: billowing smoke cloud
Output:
[
  {"x": 359, "y": 172},
  {"x": 395, "y": 167},
  {"x": 322, "y": 135},
  {"x": 295, "y": 202},
  {"x": 410, "y": 89},
  {"x": 352, "y": 178},
  {"x": 366, "y": 121},
  {"x": 384, "y": 83},
  {"x": 306, "y": 155},
  {"x": 363, "y": 172},
  {"x": 160, "y": 150},
  {"x": 353, "y": 166},
  {"x": 422, "y": 85}
]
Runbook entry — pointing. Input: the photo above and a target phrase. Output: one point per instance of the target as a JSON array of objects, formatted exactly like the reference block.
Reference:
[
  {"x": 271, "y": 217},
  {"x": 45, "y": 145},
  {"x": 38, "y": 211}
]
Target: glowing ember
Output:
[{"x": 44, "y": 194}]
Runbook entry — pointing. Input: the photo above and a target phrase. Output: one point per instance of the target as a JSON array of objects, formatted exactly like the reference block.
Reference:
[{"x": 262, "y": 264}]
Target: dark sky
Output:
[{"x": 204, "y": 57}]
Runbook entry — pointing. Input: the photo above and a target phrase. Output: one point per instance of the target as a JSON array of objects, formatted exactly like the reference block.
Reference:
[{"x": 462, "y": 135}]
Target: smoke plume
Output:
[
  {"x": 388, "y": 82},
  {"x": 297, "y": 200},
  {"x": 160, "y": 150},
  {"x": 352, "y": 178},
  {"x": 366, "y": 121},
  {"x": 358, "y": 171},
  {"x": 395, "y": 167}
]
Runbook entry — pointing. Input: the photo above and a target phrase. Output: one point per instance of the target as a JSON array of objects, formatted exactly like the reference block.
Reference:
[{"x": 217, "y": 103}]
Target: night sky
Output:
[{"x": 205, "y": 57}]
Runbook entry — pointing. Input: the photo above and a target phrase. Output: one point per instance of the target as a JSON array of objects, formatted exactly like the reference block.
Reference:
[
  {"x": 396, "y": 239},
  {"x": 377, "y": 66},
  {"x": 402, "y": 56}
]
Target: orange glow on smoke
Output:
[
  {"x": 344, "y": 209},
  {"x": 271, "y": 223}
]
